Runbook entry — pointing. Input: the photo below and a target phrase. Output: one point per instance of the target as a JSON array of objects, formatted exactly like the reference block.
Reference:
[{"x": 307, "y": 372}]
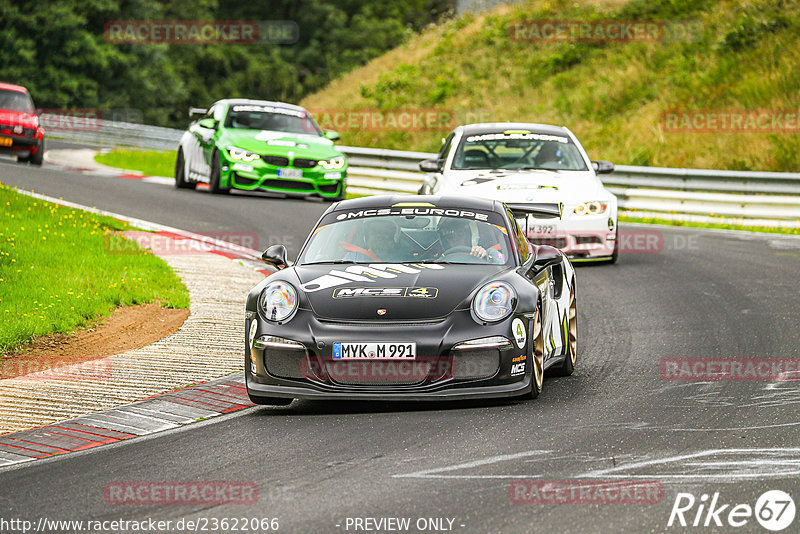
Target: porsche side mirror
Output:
[
  {"x": 209, "y": 123},
  {"x": 546, "y": 256},
  {"x": 275, "y": 255},
  {"x": 431, "y": 165},
  {"x": 330, "y": 134},
  {"x": 603, "y": 167}
]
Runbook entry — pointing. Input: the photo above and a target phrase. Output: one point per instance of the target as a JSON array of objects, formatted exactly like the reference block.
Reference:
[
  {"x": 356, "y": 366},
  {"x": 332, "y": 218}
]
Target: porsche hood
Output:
[{"x": 383, "y": 291}]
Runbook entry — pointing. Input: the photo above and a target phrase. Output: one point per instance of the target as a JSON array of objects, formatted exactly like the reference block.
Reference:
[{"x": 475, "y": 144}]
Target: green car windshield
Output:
[{"x": 258, "y": 117}]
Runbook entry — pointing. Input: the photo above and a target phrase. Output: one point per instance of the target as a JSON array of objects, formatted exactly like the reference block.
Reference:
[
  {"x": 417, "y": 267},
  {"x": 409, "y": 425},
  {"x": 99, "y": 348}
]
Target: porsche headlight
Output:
[
  {"x": 333, "y": 163},
  {"x": 595, "y": 207},
  {"x": 241, "y": 154},
  {"x": 278, "y": 301},
  {"x": 494, "y": 301}
]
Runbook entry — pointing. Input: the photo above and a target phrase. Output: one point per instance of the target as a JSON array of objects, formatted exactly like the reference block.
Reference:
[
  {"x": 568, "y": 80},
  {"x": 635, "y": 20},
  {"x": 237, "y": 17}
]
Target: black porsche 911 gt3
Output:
[{"x": 411, "y": 298}]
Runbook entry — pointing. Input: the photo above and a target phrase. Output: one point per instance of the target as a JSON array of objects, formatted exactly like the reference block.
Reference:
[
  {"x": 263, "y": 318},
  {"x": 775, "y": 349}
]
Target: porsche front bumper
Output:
[{"x": 444, "y": 369}]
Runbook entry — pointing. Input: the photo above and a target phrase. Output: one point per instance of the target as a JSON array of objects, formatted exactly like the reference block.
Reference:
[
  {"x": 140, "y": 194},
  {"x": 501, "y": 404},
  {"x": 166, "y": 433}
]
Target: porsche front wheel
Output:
[
  {"x": 537, "y": 351},
  {"x": 570, "y": 337}
]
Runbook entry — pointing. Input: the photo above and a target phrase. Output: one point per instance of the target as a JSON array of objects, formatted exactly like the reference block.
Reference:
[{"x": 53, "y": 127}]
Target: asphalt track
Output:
[{"x": 696, "y": 293}]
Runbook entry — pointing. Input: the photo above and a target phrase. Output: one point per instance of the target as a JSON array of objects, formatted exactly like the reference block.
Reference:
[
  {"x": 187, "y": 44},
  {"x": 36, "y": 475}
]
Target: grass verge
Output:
[
  {"x": 56, "y": 273},
  {"x": 149, "y": 162},
  {"x": 714, "y": 225},
  {"x": 712, "y": 55}
]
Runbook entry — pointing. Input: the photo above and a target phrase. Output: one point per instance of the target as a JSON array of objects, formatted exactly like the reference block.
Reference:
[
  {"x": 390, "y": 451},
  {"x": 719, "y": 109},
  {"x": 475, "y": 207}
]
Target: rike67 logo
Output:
[{"x": 774, "y": 510}]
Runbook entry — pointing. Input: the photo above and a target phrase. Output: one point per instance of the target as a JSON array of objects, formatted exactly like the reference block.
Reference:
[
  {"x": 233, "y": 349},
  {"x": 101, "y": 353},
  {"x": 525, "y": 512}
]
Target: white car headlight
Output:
[
  {"x": 594, "y": 207},
  {"x": 241, "y": 154},
  {"x": 494, "y": 301},
  {"x": 333, "y": 163},
  {"x": 278, "y": 301}
]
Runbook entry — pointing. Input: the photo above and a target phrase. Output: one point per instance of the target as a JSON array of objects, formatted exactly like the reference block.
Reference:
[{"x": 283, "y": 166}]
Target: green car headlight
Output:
[
  {"x": 241, "y": 154},
  {"x": 333, "y": 163}
]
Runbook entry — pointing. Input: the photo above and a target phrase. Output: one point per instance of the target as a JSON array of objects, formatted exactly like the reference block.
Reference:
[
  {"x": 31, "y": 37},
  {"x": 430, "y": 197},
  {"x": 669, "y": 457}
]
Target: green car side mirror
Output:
[
  {"x": 209, "y": 123},
  {"x": 330, "y": 134}
]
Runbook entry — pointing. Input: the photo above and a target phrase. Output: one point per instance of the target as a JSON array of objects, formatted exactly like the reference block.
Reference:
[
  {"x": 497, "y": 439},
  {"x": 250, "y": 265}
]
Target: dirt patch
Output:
[{"x": 127, "y": 328}]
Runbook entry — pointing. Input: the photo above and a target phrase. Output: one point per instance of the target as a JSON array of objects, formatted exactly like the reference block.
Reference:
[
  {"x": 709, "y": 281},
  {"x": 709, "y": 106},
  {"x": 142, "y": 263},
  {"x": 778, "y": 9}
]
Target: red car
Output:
[{"x": 20, "y": 133}]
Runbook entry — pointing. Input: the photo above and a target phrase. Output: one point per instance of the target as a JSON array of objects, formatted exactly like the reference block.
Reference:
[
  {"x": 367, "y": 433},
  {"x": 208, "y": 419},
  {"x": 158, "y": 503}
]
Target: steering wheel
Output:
[
  {"x": 494, "y": 256},
  {"x": 461, "y": 249}
]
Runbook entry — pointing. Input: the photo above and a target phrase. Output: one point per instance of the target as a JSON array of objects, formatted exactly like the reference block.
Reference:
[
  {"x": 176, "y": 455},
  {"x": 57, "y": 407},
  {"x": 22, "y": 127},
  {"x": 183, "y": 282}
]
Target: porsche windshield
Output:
[
  {"x": 254, "y": 117},
  {"x": 480, "y": 239},
  {"x": 518, "y": 150}
]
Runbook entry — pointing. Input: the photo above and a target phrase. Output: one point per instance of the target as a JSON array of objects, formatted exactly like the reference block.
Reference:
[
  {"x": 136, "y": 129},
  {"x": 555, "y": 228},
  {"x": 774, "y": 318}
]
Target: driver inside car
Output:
[
  {"x": 456, "y": 237},
  {"x": 380, "y": 240}
]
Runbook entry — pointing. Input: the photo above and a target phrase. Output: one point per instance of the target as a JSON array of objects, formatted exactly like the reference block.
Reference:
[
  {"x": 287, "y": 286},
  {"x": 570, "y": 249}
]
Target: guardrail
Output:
[
  {"x": 743, "y": 197},
  {"x": 112, "y": 133}
]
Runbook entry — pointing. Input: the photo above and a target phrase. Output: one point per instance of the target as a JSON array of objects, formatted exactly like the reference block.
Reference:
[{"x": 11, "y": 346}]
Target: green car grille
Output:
[
  {"x": 278, "y": 161},
  {"x": 302, "y": 163}
]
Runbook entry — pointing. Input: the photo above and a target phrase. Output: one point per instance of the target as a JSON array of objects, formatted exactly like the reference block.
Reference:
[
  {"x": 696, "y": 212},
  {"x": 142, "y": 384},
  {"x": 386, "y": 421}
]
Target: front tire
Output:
[
  {"x": 537, "y": 352},
  {"x": 615, "y": 252},
  {"x": 216, "y": 175},
  {"x": 338, "y": 198},
  {"x": 568, "y": 367},
  {"x": 180, "y": 173},
  {"x": 38, "y": 158}
]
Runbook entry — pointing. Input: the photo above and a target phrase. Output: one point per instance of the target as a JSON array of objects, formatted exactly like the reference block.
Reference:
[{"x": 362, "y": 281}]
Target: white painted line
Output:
[
  {"x": 770, "y": 465},
  {"x": 160, "y": 180},
  {"x": 434, "y": 473}
]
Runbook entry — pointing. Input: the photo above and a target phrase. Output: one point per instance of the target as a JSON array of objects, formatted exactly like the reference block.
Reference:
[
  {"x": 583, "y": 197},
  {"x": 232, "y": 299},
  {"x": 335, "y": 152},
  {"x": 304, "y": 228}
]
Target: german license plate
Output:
[
  {"x": 6, "y": 141},
  {"x": 290, "y": 173},
  {"x": 540, "y": 229},
  {"x": 374, "y": 351}
]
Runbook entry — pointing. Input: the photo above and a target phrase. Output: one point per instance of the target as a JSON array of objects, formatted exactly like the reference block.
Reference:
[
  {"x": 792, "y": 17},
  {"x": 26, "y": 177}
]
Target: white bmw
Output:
[{"x": 533, "y": 165}]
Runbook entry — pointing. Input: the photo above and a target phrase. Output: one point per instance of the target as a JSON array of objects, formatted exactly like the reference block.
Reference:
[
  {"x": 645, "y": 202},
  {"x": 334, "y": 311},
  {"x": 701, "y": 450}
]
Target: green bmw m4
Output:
[{"x": 256, "y": 145}]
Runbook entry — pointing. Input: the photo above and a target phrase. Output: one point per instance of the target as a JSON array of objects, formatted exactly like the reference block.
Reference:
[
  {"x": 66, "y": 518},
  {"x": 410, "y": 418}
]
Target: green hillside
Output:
[{"x": 718, "y": 55}]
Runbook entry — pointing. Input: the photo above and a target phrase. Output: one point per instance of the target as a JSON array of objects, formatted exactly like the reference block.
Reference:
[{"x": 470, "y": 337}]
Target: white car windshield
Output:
[
  {"x": 518, "y": 150},
  {"x": 408, "y": 239}
]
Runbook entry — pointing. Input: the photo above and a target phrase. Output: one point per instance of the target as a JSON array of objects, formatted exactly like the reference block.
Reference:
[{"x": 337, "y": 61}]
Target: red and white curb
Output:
[
  {"x": 156, "y": 414},
  {"x": 81, "y": 160}
]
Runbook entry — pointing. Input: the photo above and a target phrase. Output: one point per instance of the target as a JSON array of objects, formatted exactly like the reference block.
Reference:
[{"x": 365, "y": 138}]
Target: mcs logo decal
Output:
[{"x": 415, "y": 292}]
